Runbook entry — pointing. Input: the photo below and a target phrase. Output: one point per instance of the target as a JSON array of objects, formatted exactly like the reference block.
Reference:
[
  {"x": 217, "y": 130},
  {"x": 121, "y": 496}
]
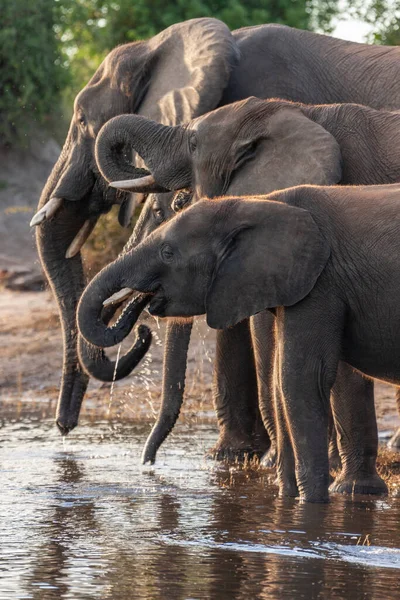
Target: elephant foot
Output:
[
  {"x": 238, "y": 447},
  {"x": 269, "y": 458},
  {"x": 237, "y": 455},
  {"x": 316, "y": 497},
  {"x": 335, "y": 463},
  {"x": 351, "y": 484},
  {"x": 287, "y": 486},
  {"x": 394, "y": 441}
]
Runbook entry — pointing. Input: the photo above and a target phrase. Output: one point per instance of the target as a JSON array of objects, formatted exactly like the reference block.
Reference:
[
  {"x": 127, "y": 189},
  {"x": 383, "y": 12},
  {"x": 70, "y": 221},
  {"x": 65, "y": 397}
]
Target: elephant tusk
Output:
[
  {"x": 80, "y": 238},
  {"x": 119, "y": 296},
  {"x": 47, "y": 211},
  {"x": 134, "y": 185}
]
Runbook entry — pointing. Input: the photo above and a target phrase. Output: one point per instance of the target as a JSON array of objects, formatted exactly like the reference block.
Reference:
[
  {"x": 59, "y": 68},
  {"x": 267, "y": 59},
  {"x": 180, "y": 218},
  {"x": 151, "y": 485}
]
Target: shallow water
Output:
[{"x": 85, "y": 521}]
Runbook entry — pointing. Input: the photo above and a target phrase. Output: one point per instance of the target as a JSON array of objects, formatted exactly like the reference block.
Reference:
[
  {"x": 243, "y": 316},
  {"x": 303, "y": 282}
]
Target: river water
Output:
[{"x": 84, "y": 521}]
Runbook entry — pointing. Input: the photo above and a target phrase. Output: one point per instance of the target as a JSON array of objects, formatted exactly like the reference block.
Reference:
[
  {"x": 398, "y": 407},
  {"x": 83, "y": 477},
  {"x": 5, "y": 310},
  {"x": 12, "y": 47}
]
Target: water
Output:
[{"x": 87, "y": 522}]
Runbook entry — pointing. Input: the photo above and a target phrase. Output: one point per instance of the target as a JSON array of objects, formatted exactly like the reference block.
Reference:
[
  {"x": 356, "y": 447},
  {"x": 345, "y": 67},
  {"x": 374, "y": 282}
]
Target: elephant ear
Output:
[
  {"x": 292, "y": 149},
  {"x": 190, "y": 65},
  {"x": 272, "y": 256}
]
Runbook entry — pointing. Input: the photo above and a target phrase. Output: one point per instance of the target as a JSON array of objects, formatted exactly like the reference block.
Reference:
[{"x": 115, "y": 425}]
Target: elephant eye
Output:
[
  {"x": 158, "y": 213},
  {"x": 167, "y": 253},
  {"x": 82, "y": 120},
  {"x": 193, "y": 142}
]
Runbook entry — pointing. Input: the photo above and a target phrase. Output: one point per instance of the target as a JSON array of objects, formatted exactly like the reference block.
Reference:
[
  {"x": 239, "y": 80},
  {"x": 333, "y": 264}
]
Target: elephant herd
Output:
[{"x": 268, "y": 163}]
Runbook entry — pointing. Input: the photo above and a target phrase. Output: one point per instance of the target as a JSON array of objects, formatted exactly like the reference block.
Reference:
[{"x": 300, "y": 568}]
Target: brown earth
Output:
[{"x": 31, "y": 358}]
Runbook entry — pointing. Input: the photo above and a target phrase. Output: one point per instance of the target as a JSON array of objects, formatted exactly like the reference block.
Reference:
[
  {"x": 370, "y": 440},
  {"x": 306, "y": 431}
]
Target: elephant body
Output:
[
  {"x": 183, "y": 72},
  {"x": 324, "y": 259}
]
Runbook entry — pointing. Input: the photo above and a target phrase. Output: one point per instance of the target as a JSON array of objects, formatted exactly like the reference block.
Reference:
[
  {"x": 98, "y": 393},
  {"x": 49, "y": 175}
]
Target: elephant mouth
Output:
[{"x": 157, "y": 305}]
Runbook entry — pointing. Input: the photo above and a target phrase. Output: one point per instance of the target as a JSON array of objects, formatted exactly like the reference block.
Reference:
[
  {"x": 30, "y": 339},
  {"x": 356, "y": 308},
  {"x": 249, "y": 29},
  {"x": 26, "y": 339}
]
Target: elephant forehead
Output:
[
  {"x": 192, "y": 225},
  {"x": 236, "y": 116}
]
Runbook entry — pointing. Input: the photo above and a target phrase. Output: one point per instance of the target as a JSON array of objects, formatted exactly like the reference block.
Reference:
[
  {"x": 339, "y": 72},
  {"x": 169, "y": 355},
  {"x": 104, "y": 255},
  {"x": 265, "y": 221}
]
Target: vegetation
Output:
[
  {"x": 50, "y": 48},
  {"x": 31, "y": 71}
]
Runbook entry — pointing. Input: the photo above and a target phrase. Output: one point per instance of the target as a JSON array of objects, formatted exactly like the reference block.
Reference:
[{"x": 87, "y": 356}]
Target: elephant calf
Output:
[{"x": 324, "y": 258}]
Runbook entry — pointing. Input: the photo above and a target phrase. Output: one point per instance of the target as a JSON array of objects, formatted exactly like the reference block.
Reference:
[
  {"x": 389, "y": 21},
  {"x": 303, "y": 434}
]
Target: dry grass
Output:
[{"x": 389, "y": 469}]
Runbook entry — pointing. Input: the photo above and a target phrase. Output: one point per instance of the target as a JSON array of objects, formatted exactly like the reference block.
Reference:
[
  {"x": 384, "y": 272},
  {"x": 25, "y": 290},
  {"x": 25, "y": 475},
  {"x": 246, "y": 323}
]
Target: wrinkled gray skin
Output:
[
  {"x": 199, "y": 60},
  {"x": 333, "y": 283},
  {"x": 263, "y": 145}
]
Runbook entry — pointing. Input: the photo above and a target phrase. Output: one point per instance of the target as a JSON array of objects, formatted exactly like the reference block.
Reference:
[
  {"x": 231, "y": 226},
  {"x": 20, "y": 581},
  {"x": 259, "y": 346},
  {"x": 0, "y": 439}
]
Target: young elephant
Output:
[
  {"x": 257, "y": 146},
  {"x": 325, "y": 258}
]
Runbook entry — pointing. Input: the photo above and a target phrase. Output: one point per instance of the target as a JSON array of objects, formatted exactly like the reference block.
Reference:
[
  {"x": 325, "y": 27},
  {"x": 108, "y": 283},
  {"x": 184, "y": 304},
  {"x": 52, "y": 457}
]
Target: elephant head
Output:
[
  {"x": 228, "y": 258},
  {"x": 171, "y": 78},
  {"x": 249, "y": 147}
]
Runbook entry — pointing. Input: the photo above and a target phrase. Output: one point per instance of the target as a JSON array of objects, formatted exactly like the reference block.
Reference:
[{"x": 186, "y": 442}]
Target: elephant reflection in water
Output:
[
  {"x": 167, "y": 546},
  {"x": 65, "y": 525},
  {"x": 242, "y": 516}
]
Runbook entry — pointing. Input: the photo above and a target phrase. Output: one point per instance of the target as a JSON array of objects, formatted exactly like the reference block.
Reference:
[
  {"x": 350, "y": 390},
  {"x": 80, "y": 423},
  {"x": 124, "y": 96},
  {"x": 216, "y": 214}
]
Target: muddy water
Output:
[{"x": 84, "y": 521}]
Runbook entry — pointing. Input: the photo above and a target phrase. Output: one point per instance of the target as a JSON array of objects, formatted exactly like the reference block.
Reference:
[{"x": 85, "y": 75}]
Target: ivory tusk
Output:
[
  {"x": 134, "y": 185},
  {"x": 119, "y": 296},
  {"x": 80, "y": 238},
  {"x": 47, "y": 211}
]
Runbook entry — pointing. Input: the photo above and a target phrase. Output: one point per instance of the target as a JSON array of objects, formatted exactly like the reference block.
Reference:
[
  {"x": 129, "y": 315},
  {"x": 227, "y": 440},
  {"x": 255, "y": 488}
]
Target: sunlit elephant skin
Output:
[
  {"x": 139, "y": 78},
  {"x": 332, "y": 279},
  {"x": 265, "y": 145}
]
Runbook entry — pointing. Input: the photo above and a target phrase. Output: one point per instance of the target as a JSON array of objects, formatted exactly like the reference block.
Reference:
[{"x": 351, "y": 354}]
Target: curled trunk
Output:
[
  {"x": 90, "y": 311},
  {"x": 98, "y": 365},
  {"x": 152, "y": 141}
]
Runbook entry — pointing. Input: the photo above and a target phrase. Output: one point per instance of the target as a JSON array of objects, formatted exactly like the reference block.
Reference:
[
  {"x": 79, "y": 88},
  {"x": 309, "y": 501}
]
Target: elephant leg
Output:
[
  {"x": 334, "y": 456},
  {"x": 285, "y": 464},
  {"x": 309, "y": 348},
  {"x": 357, "y": 433},
  {"x": 263, "y": 337},
  {"x": 394, "y": 441},
  {"x": 236, "y": 396}
]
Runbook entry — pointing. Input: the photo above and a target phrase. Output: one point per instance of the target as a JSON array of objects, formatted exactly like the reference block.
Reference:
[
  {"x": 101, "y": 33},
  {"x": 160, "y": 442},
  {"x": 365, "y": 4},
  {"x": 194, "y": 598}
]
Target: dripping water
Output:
[{"x": 113, "y": 380}]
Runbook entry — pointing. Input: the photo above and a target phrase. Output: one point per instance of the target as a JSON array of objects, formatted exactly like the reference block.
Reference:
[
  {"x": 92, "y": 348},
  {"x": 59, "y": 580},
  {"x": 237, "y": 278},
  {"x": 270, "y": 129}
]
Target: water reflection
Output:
[{"x": 88, "y": 523}]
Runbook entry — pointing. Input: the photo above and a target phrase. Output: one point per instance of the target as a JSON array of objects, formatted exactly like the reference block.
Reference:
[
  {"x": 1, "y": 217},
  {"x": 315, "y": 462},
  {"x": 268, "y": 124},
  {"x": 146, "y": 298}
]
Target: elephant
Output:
[
  {"x": 323, "y": 258},
  {"x": 261, "y": 146},
  {"x": 183, "y": 72}
]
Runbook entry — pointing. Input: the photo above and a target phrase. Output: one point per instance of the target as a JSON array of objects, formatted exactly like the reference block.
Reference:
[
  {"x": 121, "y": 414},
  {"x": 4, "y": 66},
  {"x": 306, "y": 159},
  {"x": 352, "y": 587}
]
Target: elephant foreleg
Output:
[
  {"x": 236, "y": 396},
  {"x": 357, "y": 433}
]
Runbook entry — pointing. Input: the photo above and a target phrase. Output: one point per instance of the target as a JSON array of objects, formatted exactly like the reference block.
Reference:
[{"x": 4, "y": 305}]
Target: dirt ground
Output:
[{"x": 31, "y": 358}]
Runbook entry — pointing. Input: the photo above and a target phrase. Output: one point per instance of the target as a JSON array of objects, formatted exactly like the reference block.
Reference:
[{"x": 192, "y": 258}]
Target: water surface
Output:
[{"x": 85, "y": 521}]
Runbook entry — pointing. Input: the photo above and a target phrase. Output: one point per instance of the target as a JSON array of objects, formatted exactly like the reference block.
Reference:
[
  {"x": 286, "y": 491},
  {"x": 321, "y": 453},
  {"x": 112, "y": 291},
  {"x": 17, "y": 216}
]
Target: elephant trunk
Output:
[
  {"x": 67, "y": 282},
  {"x": 90, "y": 310},
  {"x": 174, "y": 371},
  {"x": 98, "y": 365},
  {"x": 158, "y": 145}
]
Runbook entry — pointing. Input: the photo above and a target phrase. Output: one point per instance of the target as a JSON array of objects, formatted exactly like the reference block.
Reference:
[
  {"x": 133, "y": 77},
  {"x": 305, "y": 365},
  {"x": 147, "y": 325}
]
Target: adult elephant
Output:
[
  {"x": 264, "y": 145},
  {"x": 186, "y": 70}
]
